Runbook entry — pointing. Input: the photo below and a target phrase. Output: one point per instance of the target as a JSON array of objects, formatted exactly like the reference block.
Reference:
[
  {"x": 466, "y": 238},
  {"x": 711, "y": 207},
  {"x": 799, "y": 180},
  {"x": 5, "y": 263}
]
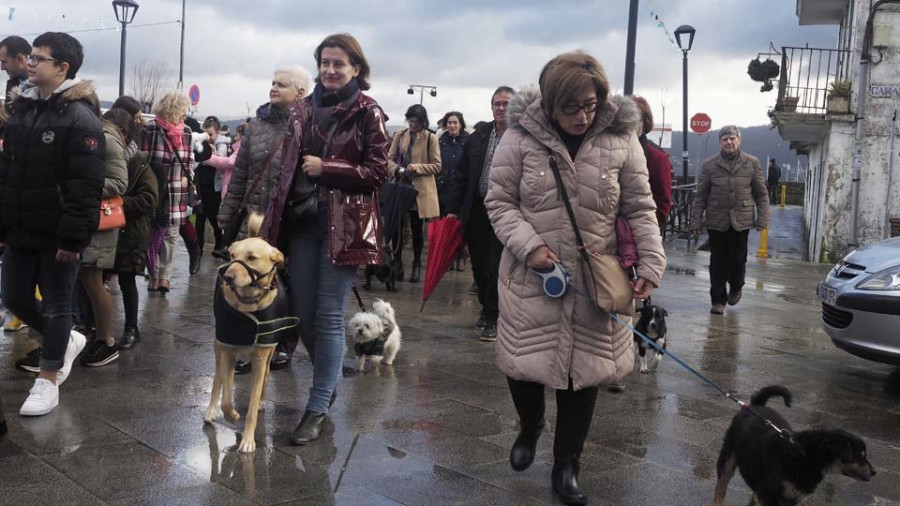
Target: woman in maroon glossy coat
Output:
[{"x": 324, "y": 214}]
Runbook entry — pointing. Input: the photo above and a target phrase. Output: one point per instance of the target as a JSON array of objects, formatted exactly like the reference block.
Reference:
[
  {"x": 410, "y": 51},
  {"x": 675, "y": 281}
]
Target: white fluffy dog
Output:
[{"x": 376, "y": 335}]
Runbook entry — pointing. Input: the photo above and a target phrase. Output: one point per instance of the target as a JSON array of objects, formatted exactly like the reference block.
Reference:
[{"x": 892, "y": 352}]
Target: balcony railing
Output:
[{"x": 806, "y": 74}]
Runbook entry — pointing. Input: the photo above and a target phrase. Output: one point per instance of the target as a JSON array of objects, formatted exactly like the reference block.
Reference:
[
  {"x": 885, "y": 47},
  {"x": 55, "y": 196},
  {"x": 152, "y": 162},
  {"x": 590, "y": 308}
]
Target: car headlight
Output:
[{"x": 888, "y": 279}]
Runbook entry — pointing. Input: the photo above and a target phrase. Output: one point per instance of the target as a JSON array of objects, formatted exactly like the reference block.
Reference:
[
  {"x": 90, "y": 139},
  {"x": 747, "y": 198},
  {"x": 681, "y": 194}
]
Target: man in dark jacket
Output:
[
  {"x": 467, "y": 192},
  {"x": 14, "y": 50},
  {"x": 51, "y": 181},
  {"x": 772, "y": 180},
  {"x": 732, "y": 194}
]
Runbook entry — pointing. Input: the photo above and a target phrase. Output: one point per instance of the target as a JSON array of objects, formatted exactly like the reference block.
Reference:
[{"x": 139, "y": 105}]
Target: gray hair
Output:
[
  {"x": 298, "y": 78},
  {"x": 730, "y": 130}
]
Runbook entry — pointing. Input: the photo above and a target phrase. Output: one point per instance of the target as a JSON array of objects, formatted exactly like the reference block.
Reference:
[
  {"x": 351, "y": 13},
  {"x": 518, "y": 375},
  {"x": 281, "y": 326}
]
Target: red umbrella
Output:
[
  {"x": 627, "y": 250},
  {"x": 445, "y": 240}
]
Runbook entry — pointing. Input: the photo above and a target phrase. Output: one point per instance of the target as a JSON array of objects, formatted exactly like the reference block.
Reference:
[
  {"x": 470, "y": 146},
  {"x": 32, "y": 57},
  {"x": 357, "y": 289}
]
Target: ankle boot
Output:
[
  {"x": 522, "y": 453},
  {"x": 565, "y": 480},
  {"x": 309, "y": 428},
  {"x": 416, "y": 274}
]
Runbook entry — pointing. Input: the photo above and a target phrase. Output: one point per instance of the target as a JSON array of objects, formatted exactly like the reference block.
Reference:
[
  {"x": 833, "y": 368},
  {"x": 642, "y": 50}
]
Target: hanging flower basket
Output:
[{"x": 763, "y": 72}]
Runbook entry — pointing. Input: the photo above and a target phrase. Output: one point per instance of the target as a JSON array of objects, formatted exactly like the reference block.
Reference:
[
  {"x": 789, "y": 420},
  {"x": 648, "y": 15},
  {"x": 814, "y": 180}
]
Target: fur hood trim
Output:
[{"x": 618, "y": 115}]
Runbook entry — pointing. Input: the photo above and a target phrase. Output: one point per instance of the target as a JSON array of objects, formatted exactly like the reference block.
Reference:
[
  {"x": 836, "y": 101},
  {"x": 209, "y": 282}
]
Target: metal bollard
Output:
[
  {"x": 783, "y": 194},
  {"x": 763, "y": 251}
]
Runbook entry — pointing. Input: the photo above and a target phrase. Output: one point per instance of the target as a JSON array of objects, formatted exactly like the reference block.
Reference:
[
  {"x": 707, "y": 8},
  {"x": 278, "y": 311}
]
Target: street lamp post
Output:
[
  {"x": 686, "y": 31},
  {"x": 125, "y": 11},
  {"x": 422, "y": 88}
]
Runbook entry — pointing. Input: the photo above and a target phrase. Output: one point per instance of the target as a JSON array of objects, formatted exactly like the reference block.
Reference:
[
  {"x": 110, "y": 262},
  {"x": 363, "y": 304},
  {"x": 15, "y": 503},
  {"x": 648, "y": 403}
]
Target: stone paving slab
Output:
[{"x": 436, "y": 427}]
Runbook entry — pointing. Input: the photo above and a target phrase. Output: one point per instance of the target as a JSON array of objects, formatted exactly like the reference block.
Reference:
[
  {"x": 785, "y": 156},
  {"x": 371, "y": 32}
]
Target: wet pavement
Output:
[{"x": 437, "y": 426}]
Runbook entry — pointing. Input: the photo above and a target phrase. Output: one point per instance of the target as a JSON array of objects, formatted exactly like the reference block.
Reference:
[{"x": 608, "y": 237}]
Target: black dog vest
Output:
[{"x": 261, "y": 328}]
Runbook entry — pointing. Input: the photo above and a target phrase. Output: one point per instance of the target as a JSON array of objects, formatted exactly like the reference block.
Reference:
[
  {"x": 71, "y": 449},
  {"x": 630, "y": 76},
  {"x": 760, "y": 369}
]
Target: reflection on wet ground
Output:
[{"x": 437, "y": 426}]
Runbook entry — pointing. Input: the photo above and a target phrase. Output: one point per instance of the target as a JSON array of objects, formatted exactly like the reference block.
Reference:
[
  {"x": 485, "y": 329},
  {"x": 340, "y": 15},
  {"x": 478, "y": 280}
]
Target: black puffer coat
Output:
[{"x": 52, "y": 169}]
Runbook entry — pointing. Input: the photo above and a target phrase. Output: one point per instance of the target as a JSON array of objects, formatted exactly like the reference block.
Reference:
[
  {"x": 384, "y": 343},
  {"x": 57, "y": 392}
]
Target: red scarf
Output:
[{"x": 175, "y": 132}]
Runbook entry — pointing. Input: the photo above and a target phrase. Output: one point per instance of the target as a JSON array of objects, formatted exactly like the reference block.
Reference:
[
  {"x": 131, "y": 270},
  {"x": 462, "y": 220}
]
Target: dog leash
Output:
[
  {"x": 362, "y": 307},
  {"x": 783, "y": 433}
]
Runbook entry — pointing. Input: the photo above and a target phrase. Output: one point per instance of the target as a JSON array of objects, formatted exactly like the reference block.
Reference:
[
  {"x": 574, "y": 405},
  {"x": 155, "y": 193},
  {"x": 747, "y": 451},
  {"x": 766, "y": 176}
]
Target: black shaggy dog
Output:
[
  {"x": 388, "y": 272},
  {"x": 784, "y": 470}
]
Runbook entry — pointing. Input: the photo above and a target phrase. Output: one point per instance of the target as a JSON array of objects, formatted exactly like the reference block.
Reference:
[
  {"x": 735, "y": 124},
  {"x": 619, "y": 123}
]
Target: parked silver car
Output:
[{"x": 861, "y": 302}]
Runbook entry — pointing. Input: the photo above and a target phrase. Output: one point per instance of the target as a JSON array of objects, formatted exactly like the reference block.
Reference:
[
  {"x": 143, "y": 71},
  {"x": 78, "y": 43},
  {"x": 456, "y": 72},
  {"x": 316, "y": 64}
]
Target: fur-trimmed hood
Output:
[
  {"x": 618, "y": 115},
  {"x": 71, "y": 90}
]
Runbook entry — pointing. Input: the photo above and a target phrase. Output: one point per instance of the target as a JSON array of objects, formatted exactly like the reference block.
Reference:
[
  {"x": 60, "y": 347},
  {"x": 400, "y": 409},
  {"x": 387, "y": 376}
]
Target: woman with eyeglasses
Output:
[
  {"x": 571, "y": 125},
  {"x": 415, "y": 158},
  {"x": 324, "y": 211}
]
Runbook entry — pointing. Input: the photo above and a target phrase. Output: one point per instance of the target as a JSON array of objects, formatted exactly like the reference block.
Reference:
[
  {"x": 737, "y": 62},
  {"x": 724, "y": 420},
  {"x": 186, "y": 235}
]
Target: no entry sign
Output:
[
  {"x": 194, "y": 94},
  {"x": 700, "y": 123}
]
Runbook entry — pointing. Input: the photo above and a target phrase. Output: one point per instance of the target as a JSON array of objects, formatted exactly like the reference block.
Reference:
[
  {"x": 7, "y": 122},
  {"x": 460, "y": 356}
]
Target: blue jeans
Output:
[
  {"x": 319, "y": 291},
  {"x": 52, "y": 318}
]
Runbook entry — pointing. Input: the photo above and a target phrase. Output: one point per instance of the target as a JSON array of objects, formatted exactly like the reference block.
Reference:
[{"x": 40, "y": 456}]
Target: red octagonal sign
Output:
[{"x": 700, "y": 123}]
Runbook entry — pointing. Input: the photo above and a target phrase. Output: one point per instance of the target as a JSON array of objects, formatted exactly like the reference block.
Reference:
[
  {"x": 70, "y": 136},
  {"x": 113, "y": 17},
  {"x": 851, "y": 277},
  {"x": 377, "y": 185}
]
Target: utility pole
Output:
[
  {"x": 181, "y": 64},
  {"x": 630, "y": 47}
]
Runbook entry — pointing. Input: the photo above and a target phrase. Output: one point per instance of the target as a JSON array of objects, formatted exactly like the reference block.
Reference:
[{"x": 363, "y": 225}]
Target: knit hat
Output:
[{"x": 730, "y": 130}]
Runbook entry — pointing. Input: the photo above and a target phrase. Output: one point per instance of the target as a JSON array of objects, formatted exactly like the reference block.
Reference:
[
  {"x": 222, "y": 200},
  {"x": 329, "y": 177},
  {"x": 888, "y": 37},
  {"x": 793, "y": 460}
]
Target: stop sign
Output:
[{"x": 700, "y": 123}]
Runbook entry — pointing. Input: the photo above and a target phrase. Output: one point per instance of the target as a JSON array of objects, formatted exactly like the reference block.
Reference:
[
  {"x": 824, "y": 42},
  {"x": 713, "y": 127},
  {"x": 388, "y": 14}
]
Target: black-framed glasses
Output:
[
  {"x": 34, "y": 59},
  {"x": 588, "y": 108}
]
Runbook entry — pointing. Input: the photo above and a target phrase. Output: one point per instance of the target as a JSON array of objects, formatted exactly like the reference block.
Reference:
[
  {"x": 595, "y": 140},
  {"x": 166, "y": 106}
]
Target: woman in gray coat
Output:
[
  {"x": 100, "y": 255},
  {"x": 263, "y": 134}
]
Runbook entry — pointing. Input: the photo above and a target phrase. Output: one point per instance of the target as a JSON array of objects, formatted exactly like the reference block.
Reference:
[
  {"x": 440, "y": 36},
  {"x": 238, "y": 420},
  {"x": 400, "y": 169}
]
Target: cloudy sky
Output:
[{"x": 464, "y": 47}]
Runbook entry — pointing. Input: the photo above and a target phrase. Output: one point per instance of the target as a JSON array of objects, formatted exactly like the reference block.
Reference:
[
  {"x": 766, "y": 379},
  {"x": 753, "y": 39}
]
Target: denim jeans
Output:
[
  {"x": 319, "y": 291},
  {"x": 52, "y": 318}
]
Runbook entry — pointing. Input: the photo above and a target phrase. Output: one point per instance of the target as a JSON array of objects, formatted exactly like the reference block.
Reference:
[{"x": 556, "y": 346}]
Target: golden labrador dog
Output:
[{"x": 252, "y": 312}]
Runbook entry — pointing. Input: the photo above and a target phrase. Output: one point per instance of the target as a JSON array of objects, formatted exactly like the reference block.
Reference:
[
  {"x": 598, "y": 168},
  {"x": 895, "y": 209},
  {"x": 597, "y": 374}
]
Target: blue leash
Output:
[{"x": 786, "y": 434}]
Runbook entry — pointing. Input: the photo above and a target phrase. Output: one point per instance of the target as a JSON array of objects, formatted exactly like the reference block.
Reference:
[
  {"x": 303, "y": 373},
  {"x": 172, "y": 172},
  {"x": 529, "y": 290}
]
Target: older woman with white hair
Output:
[{"x": 257, "y": 166}]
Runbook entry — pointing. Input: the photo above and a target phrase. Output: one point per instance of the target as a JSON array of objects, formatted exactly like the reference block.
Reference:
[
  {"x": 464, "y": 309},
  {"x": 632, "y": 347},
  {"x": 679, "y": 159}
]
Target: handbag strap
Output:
[
  {"x": 259, "y": 175},
  {"x": 579, "y": 241}
]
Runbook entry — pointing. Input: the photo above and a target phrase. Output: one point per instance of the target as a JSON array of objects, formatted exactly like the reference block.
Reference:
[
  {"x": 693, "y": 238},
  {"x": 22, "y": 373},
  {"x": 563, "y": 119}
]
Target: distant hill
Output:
[{"x": 759, "y": 141}]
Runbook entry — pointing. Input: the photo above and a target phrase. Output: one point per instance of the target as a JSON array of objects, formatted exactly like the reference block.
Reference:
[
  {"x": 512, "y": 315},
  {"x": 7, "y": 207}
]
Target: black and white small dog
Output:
[
  {"x": 783, "y": 471},
  {"x": 652, "y": 324}
]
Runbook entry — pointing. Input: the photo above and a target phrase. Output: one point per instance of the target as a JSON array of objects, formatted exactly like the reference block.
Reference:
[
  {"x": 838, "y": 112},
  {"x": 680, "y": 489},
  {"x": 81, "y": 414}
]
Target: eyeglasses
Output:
[
  {"x": 501, "y": 105},
  {"x": 588, "y": 108},
  {"x": 36, "y": 60}
]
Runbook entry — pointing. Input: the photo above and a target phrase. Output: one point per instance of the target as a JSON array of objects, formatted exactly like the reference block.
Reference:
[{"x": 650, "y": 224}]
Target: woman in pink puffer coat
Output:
[{"x": 566, "y": 344}]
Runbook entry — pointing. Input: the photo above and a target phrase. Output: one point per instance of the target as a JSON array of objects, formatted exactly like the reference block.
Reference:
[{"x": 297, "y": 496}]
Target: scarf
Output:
[
  {"x": 175, "y": 132},
  {"x": 327, "y": 109}
]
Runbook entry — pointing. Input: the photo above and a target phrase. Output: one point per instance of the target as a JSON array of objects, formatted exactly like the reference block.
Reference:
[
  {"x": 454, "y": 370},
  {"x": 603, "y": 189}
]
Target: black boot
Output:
[
  {"x": 309, "y": 428},
  {"x": 416, "y": 274},
  {"x": 522, "y": 454},
  {"x": 130, "y": 338},
  {"x": 574, "y": 411},
  {"x": 194, "y": 256},
  {"x": 528, "y": 398},
  {"x": 565, "y": 479}
]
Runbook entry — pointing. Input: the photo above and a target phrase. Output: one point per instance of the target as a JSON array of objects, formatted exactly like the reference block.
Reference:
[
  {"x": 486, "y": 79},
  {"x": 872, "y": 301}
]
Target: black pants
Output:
[
  {"x": 774, "y": 192},
  {"x": 130, "y": 298},
  {"x": 574, "y": 411},
  {"x": 209, "y": 210},
  {"x": 727, "y": 262},
  {"x": 417, "y": 230},
  {"x": 484, "y": 251}
]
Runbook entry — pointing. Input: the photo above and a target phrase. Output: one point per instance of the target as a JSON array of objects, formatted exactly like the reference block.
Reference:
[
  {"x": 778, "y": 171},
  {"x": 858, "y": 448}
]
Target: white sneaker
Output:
[
  {"x": 76, "y": 344},
  {"x": 43, "y": 397}
]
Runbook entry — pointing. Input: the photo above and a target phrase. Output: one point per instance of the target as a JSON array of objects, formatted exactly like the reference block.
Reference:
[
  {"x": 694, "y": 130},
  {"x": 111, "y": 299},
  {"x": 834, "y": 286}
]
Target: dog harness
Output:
[
  {"x": 261, "y": 328},
  {"x": 375, "y": 346}
]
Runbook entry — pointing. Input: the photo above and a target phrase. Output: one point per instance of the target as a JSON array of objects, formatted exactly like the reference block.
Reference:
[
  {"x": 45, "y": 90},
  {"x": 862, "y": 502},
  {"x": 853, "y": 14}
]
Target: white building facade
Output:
[{"x": 840, "y": 141}]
